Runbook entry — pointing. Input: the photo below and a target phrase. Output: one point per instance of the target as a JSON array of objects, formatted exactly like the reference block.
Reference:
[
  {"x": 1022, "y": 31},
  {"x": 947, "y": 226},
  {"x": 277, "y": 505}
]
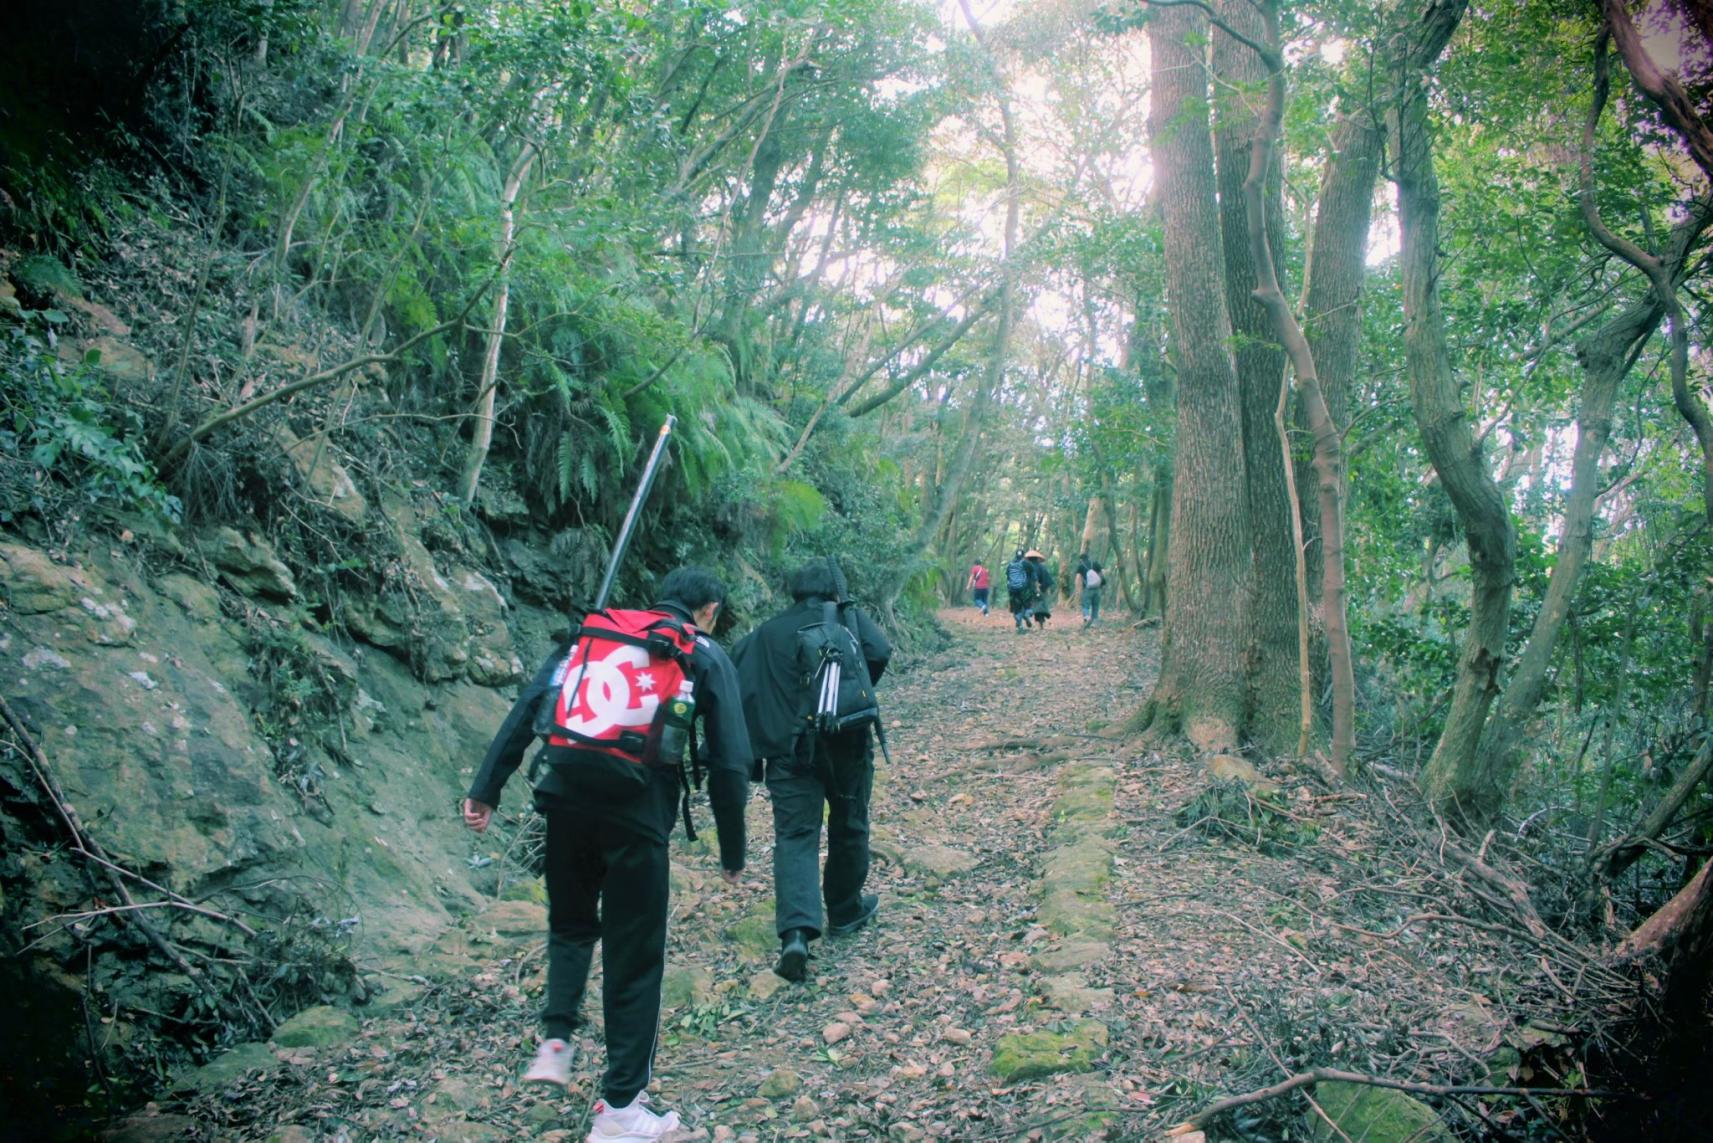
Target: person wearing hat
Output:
[{"x": 1021, "y": 582}]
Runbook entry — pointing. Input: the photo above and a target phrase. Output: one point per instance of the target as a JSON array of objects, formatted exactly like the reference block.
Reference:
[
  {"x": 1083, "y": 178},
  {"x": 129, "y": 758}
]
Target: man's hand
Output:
[
  {"x": 477, "y": 815},
  {"x": 731, "y": 876}
]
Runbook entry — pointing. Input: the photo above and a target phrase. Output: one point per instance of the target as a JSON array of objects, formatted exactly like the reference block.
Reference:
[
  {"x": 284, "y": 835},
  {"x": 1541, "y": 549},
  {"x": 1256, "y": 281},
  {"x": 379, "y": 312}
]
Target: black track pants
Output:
[
  {"x": 590, "y": 863},
  {"x": 841, "y": 775}
]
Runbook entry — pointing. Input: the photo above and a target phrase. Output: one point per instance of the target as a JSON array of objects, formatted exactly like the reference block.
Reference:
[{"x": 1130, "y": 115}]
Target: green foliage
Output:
[{"x": 62, "y": 433}]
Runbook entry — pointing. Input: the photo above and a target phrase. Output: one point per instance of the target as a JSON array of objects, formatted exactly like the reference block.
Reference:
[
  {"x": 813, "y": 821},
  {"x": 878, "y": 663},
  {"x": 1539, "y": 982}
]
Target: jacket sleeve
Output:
[
  {"x": 876, "y": 648},
  {"x": 726, "y": 742},
  {"x": 506, "y": 751}
]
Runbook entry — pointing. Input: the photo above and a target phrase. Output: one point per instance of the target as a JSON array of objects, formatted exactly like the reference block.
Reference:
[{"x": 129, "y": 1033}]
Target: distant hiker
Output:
[
  {"x": 608, "y": 820},
  {"x": 1083, "y": 564},
  {"x": 807, "y": 766},
  {"x": 1093, "y": 580},
  {"x": 1041, "y": 608},
  {"x": 978, "y": 584},
  {"x": 1021, "y": 580}
]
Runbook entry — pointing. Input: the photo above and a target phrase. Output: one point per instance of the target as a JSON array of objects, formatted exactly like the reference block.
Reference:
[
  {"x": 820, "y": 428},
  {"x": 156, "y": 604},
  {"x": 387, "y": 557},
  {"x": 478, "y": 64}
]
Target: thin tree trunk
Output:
[
  {"x": 483, "y": 436},
  {"x": 1450, "y": 778},
  {"x": 948, "y": 488}
]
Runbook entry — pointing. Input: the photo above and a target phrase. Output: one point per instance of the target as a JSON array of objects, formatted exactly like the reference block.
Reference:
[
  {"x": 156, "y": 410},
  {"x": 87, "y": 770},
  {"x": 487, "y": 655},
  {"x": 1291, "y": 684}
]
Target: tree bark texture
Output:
[
  {"x": 1202, "y": 690},
  {"x": 1451, "y": 779},
  {"x": 1272, "y": 719}
]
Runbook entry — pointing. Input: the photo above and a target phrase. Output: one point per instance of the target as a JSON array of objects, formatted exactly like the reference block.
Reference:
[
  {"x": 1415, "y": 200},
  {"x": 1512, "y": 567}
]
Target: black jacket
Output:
[
  {"x": 775, "y": 700},
  {"x": 724, "y": 747}
]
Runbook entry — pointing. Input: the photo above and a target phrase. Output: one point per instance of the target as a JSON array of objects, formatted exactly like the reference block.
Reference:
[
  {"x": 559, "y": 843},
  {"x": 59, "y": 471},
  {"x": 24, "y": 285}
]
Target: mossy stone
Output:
[
  {"x": 1029, "y": 1055},
  {"x": 754, "y": 936},
  {"x": 323, "y": 1026},
  {"x": 227, "y": 1068},
  {"x": 1375, "y": 1115}
]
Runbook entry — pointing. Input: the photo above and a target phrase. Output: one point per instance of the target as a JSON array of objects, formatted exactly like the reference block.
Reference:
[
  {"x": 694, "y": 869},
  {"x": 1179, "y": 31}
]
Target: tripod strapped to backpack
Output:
[{"x": 838, "y": 671}]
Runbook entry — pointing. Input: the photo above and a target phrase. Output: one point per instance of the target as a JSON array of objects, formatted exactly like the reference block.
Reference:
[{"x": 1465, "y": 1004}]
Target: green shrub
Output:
[{"x": 61, "y": 433}]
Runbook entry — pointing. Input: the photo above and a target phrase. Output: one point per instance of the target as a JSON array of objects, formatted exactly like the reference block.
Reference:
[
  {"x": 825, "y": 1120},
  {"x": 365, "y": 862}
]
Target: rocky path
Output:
[{"x": 1054, "y": 958}]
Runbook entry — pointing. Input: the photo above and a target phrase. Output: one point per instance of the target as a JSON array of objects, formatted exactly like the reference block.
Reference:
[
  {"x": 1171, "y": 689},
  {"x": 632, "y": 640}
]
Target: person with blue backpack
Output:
[{"x": 1021, "y": 582}]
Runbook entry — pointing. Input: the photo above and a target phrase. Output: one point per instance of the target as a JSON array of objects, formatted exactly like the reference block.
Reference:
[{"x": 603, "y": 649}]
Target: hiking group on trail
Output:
[
  {"x": 618, "y": 703},
  {"x": 1029, "y": 585}
]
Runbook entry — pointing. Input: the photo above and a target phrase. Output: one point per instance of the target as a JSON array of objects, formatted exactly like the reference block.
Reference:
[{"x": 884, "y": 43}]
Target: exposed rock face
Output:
[
  {"x": 144, "y": 695},
  {"x": 318, "y": 464},
  {"x": 447, "y": 624},
  {"x": 249, "y": 564}
]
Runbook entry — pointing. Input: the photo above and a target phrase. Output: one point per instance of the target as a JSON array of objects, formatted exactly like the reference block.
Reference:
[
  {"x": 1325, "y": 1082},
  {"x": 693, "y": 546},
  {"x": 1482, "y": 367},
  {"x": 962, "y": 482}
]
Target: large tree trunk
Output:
[
  {"x": 1272, "y": 719},
  {"x": 1452, "y": 780},
  {"x": 1202, "y": 689}
]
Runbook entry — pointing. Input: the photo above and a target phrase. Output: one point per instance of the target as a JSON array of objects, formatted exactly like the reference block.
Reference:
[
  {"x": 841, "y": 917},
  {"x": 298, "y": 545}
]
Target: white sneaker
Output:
[
  {"x": 633, "y": 1124},
  {"x": 552, "y": 1063}
]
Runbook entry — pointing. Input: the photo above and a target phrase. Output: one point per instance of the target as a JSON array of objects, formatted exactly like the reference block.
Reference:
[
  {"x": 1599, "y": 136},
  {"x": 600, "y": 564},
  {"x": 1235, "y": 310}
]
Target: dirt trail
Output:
[{"x": 1053, "y": 958}]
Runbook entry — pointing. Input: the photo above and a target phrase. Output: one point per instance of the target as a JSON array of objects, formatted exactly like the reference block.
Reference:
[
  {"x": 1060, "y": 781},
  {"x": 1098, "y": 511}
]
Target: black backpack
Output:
[
  {"x": 830, "y": 662},
  {"x": 1017, "y": 575}
]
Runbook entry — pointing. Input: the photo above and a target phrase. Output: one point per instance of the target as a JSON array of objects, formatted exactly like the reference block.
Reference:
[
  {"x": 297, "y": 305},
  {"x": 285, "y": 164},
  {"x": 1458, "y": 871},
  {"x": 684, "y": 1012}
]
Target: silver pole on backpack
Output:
[{"x": 625, "y": 529}]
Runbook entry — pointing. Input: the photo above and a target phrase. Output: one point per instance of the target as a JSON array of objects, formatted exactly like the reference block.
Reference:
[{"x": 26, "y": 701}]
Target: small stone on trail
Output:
[
  {"x": 956, "y": 1036},
  {"x": 780, "y": 1082},
  {"x": 879, "y": 986},
  {"x": 835, "y": 1032},
  {"x": 804, "y": 1109}
]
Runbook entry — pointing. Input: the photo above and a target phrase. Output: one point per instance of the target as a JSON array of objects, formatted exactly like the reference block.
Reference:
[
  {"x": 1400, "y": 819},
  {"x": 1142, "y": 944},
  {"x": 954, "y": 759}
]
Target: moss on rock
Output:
[
  {"x": 1028, "y": 1055},
  {"x": 323, "y": 1026},
  {"x": 1375, "y": 1115}
]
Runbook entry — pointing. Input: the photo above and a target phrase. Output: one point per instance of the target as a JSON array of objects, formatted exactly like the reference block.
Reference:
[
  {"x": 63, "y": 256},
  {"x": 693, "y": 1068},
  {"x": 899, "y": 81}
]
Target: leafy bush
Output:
[{"x": 60, "y": 432}]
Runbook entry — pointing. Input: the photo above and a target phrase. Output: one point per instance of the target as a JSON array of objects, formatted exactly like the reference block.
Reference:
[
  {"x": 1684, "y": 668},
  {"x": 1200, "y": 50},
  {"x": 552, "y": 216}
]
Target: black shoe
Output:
[
  {"x": 869, "y": 904},
  {"x": 793, "y": 956}
]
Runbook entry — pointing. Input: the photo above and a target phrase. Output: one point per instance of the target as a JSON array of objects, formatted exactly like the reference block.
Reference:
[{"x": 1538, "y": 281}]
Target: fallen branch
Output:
[{"x": 1332, "y": 1075}]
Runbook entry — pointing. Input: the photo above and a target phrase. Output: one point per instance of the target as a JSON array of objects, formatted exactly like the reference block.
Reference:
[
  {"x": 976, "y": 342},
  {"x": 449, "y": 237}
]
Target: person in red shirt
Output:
[{"x": 978, "y": 584}]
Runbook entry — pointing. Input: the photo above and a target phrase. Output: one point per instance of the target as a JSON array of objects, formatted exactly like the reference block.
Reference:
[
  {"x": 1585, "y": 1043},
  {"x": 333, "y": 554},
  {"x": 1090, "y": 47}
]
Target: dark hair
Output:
[
  {"x": 812, "y": 579},
  {"x": 692, "y": 588}
]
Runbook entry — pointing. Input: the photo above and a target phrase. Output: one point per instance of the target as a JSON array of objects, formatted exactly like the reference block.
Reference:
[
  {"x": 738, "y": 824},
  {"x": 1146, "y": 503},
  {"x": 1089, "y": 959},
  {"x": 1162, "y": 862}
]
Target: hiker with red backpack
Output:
[{"x": 618, "y": 704}]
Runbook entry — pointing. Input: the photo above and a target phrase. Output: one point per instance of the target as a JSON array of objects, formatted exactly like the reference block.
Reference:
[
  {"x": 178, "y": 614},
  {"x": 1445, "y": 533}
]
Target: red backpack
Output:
[{"x": 607, "y": 695}]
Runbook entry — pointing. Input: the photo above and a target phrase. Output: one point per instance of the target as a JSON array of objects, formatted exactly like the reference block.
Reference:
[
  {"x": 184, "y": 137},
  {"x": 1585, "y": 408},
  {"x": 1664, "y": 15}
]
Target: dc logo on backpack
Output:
[
  {"x": 618, "y": 690},
  {"x": 606, "y": 696}
]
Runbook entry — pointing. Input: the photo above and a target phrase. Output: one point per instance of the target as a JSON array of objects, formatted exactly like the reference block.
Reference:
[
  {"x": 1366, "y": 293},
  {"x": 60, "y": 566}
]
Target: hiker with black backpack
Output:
[
  {"x": 618, "y": 703},
  {"x": 1020, "y": 584},
  {"x": 1041, "y": 607},
  {"x": 807, "y": 677}
]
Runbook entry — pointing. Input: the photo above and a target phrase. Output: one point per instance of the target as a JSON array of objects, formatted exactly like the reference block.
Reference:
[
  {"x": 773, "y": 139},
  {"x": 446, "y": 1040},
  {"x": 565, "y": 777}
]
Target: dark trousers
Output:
[
  {"x": 839, "y": 773},
  {"x": 595, "y": 863}
]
